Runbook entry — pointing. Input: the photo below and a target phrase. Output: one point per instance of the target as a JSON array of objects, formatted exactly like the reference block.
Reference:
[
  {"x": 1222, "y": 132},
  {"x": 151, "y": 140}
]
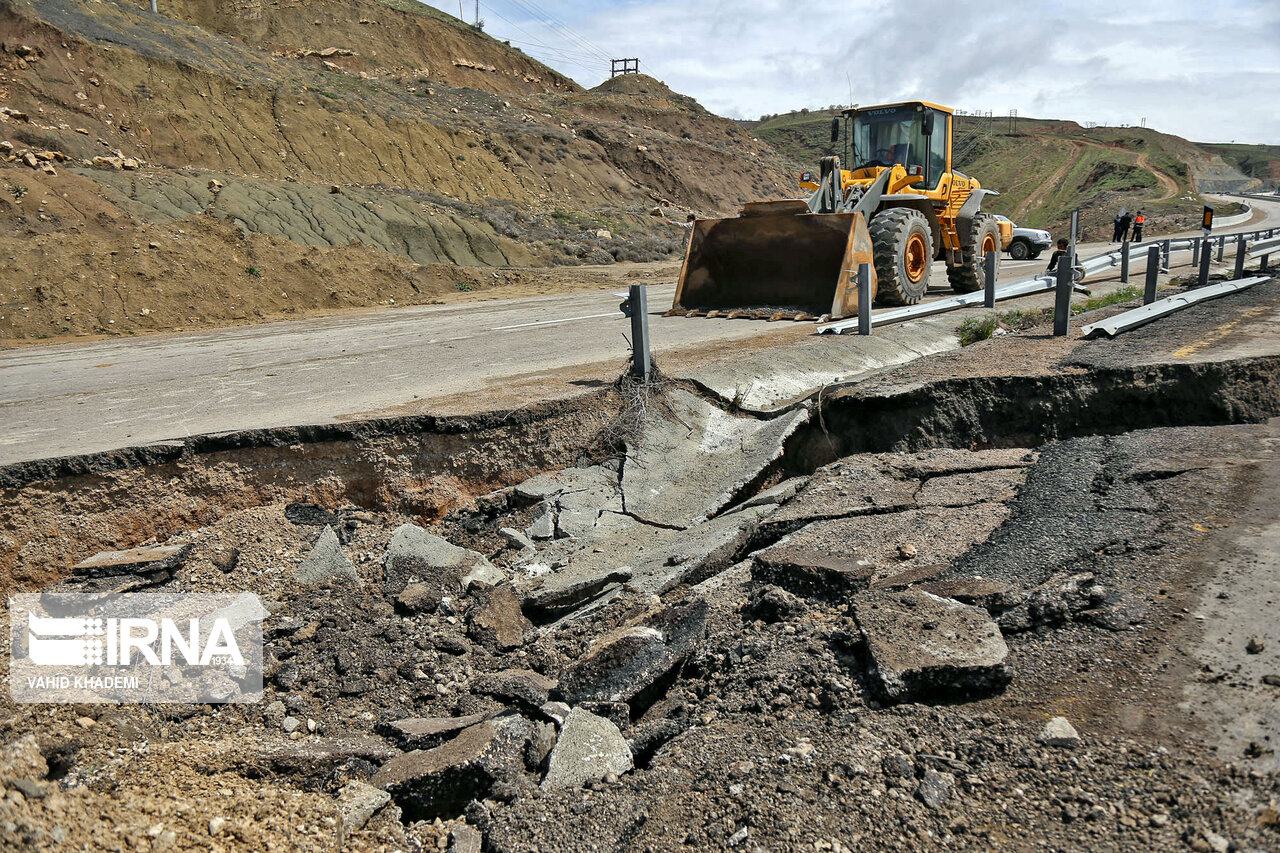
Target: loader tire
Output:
[
  {"x": 902, "y": 246},
  {"x": 970, "y": 275}
]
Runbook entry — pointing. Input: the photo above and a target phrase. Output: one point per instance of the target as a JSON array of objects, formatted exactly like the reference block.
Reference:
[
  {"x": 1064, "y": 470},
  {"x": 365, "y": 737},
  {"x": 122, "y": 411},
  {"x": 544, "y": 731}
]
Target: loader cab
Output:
[{"x": 913, "y": 135}]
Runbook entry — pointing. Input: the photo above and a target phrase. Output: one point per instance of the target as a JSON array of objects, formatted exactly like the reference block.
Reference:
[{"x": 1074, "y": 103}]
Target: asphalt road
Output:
[{"x": 68, "y": 399}]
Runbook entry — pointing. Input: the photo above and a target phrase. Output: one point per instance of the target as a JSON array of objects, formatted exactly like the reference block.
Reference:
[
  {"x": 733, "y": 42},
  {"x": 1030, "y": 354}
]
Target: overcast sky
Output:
[{"x": 1208, "y": 71}]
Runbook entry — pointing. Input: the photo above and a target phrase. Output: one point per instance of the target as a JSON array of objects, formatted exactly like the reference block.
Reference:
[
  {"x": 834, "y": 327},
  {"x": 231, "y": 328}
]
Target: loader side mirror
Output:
[
  {"x": 928, "y": 122},
  {"x": 835, "y": 129}
]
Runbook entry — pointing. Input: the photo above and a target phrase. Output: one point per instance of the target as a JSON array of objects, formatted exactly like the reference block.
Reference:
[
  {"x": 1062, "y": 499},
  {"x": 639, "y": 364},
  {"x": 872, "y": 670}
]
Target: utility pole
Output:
[{"x": 477, "y": 20}]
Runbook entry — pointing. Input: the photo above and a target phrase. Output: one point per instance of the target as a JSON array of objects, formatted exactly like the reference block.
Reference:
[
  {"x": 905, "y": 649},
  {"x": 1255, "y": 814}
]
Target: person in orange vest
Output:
[{"x": 1138, "y": 221}]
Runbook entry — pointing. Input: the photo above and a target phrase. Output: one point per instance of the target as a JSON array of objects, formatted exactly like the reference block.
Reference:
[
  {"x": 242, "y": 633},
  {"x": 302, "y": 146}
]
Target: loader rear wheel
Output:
[
  {"x": 970, "y": 275},
  {"x": 902, "y": 246}
]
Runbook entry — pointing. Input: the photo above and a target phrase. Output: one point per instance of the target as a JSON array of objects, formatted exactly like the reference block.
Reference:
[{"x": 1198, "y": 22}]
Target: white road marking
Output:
[{"x": 562, "y": 320}]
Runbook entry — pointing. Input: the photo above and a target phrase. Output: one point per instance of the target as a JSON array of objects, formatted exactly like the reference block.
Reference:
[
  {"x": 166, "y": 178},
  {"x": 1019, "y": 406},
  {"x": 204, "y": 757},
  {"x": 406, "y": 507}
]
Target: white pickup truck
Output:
[{"x": 1027, "y": 243}]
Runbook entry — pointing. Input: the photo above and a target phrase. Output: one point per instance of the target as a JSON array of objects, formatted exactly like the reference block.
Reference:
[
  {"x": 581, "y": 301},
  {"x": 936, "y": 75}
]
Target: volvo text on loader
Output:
[{"x": 899, "y": 208}]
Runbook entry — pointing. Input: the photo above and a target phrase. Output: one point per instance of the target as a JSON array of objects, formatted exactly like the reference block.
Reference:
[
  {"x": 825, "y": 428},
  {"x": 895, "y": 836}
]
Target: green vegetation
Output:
[
  {"x": 464, "y": 286},
  {"x": 17, "y": 191},
  {"x": 1124, "y": 294},
  {"x": 974, "y": 329},
  {"x": 253, "y": 271}
]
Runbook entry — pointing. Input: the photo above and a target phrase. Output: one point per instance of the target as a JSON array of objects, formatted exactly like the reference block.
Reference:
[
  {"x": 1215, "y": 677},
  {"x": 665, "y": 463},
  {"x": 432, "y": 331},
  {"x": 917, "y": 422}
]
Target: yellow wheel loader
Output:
[{"x": 900, "y": 208}]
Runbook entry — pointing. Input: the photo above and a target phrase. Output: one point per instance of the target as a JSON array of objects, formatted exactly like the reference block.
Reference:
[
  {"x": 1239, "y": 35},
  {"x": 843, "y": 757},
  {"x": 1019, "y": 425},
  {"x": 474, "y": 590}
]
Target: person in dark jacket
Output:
[
  {"x": 1062, "y": 250},
  {"x": 1115, "y": 232},
  {"x": 1126, "y": 219}
]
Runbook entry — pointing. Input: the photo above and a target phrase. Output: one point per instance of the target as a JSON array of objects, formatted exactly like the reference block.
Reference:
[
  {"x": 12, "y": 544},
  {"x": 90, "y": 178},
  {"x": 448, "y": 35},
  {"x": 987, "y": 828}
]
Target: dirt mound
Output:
[{"x": 639, "y": 84}]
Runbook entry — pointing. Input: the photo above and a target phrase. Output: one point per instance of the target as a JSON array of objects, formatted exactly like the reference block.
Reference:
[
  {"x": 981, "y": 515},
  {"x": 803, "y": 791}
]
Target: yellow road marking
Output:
[{"x": 1218, "y": 334}]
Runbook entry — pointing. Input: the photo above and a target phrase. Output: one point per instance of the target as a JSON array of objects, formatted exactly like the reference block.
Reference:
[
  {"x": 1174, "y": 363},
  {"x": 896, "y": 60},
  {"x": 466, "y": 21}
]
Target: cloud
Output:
[{"x": 1207, "y": 72}]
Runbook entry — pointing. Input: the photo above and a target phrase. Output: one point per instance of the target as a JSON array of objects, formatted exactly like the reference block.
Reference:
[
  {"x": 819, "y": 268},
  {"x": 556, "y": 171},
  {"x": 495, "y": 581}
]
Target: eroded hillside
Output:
[{"x": 372, "y": 126}]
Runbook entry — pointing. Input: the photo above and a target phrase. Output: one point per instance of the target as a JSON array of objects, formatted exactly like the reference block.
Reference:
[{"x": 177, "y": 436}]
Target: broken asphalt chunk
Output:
[
  {"x": 325, "y": 561},
  {"x": 135, "y": 561},
  {"x": 416, "y": 556},
  {"x": 630, "y": 663},
  {"x": 496, "y": 622},
  {"x": 440, "y": 782},
  {"x": 521, "y": 686},
  {"x": 589, "y": 748},
  {"x": 426, "y": 732},
  {"x": 923, "y": 648},
  {"x": 811, "y": 573}
]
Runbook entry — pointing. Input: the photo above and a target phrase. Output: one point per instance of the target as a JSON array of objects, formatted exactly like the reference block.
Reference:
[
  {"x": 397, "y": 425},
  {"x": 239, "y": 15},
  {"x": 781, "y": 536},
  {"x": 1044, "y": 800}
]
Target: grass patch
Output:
[
  {"x": 253, "y": 271},
  {"x": 974, "y": 329},
  {"x": 1124, "y": 294}
]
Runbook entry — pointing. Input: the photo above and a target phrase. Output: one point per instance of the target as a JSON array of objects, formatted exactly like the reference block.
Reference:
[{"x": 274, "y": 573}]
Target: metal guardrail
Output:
[
  {"x": 1113, "y": 326},
  {"x": 1263, "y": 248},
  {"x": 1045, "y": 281}
]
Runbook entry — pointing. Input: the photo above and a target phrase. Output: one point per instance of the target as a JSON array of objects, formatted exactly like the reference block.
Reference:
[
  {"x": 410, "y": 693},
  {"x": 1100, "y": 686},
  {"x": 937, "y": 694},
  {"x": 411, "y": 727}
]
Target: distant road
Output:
[{"x": 80, "y": 398}]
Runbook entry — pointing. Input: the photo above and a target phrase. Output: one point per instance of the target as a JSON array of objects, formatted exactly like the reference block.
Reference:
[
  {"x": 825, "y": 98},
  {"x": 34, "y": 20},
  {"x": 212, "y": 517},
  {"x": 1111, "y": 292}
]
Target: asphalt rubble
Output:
[{"x": 698, "y": 643}]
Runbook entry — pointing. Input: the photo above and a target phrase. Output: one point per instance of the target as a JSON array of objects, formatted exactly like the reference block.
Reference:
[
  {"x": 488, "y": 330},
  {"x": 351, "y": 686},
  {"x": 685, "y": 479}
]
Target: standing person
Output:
[
  {"x": 1125, "y": 221},
  {"x": 1139, "y": 221},
  {"x": 1115, "y": 231}
]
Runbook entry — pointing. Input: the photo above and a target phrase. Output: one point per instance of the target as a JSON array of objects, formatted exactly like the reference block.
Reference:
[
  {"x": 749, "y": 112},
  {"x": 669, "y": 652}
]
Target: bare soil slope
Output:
[{"x": 387, "y": 129}]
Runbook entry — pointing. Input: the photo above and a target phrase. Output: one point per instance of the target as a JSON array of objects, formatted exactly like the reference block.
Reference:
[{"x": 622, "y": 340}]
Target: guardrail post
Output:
[
  {"x": 1124, "y": 262},
  {"x": 1263, "y": 267},
  {"x": 637, "y": 295},
  {"x": 1203, "y": 277},
  {"x": 1153, "y": 275},
  {"x": 1062, "y": 297},
  {"x": 864, "y": 299},
  {"x": 1195, "y": 251},
  {"x": 1222, "y": 246},
  {"x": 1166, "y": 249},
  {"x": 989, "y": 286},
  {"x": 1239, "y": 257}
]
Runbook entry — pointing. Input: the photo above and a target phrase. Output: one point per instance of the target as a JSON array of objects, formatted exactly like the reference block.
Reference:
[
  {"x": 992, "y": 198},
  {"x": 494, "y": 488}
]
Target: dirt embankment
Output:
[{"x": 394, "y": 135}]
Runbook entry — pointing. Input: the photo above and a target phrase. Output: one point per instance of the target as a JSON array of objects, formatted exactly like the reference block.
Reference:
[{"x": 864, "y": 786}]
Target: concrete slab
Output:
[
  {"x": 694, "y": 459},
  {"x": 573, "y": 500},
  {"x": 763, "y": 381},
  {"x": 657, "y": 559}
]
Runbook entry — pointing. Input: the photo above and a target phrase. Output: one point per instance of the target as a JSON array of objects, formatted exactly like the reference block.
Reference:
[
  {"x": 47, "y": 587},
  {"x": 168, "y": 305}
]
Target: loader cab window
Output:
[{"x": 883, "y": 137}]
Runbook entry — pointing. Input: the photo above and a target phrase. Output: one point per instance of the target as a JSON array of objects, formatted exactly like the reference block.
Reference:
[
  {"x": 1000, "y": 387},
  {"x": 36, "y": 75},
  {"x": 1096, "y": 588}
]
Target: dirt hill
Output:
[
  {"x": 386, "y": 130},
  {"x": 1046, "y": 168}
]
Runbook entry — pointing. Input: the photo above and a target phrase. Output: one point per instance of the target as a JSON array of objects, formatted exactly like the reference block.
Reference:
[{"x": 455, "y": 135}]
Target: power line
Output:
[{"x": 567, "y": 32}]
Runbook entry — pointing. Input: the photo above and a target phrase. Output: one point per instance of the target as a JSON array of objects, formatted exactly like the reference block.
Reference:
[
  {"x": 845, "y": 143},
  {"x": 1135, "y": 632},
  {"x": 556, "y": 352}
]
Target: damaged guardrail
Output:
[
  {"x": 1113, "y": 326},
  {"x": 1046, "y": 281}
]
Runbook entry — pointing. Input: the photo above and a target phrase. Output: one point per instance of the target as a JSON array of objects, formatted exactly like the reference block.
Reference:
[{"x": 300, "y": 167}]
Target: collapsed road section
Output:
[{"x": 1008, "y": 595}]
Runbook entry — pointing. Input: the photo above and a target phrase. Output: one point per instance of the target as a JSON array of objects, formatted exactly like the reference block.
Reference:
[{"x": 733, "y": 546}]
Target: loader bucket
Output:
[{"x": 766, "y": 264}]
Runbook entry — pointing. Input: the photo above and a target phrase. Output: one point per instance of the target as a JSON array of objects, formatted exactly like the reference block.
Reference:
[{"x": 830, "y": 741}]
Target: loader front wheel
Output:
[
  {"x": 902, "y": 246},
  {"x": 970, "y": 274}
]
